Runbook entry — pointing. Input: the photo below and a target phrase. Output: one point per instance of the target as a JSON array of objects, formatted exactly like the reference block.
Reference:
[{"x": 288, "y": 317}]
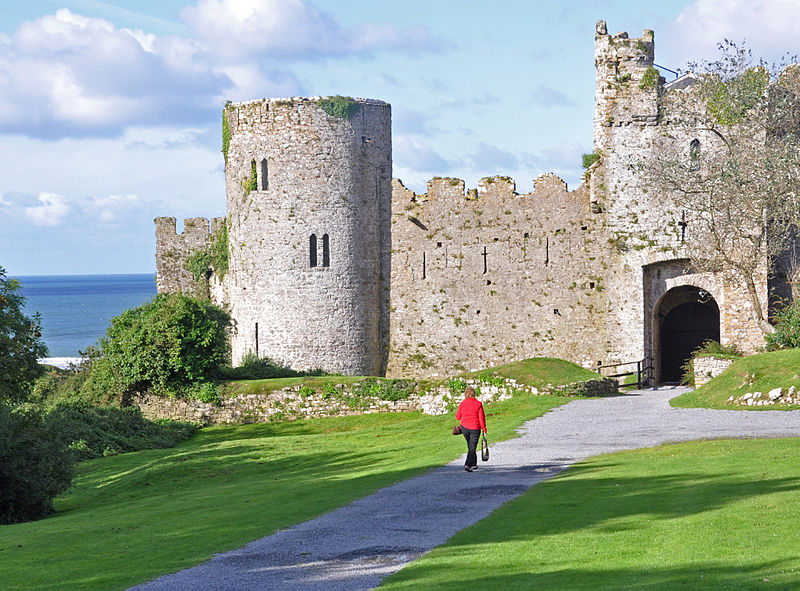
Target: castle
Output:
[{"x": 333, "y": 264}]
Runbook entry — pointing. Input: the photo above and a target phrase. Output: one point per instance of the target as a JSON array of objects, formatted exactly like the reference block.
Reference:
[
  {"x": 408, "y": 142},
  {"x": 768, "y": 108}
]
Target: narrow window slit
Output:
[
  {"x": 326, "y": 253},
  {"x": 312, "y": 249}
]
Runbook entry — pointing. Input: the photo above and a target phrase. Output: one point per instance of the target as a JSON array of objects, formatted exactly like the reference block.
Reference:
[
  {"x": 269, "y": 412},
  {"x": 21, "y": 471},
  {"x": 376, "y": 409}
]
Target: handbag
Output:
[
  {"x": 456, "y": 429},
  {"x": 484, "y": 449}
]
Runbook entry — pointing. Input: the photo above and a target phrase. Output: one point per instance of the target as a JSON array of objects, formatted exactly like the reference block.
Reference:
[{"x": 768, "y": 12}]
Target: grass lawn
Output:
[
  {"x": 132, "y": 517},
  {"x": 756, "y": 373},
  {"x": 699, "y": 515}
]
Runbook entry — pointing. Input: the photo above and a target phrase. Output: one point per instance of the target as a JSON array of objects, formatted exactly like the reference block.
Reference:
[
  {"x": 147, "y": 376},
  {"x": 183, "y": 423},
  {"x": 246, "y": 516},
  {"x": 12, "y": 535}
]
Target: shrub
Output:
[
  {"x": 787, "y": 328},
  {"x": 164, "y": 346},
  {"x": 96, "y": 431},
  {"x": 35, "y": 465},
  {"x": 254, "y": 367}
]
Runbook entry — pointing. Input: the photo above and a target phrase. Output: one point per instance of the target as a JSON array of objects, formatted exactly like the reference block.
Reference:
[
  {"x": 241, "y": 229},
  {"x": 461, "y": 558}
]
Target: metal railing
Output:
[{"x": 643, "y": 371}]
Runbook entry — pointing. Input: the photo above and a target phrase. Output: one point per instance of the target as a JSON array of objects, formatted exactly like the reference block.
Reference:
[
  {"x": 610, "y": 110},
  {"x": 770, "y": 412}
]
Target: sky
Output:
[{"x": 110, "y": 111}]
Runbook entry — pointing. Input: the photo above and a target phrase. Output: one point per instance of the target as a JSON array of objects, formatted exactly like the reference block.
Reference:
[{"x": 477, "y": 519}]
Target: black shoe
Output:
[
  {"x": 467, "y": 469},
  {"x": 474, "y": 468}
]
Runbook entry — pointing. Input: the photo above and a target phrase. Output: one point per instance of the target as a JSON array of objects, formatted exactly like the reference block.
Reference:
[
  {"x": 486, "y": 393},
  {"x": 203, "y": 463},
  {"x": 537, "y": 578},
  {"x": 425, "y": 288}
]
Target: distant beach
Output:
[{"x": 76, "y": 310}]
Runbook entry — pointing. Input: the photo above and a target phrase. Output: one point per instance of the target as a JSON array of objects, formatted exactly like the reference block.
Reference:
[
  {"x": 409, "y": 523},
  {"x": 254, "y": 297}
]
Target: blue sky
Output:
[{"x": 110, "y": 110}]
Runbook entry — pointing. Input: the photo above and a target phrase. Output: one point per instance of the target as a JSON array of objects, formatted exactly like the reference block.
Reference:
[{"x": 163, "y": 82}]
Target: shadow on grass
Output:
[
  {"x": 578, "y": 503},
  {"x": 775, "y": 574}
]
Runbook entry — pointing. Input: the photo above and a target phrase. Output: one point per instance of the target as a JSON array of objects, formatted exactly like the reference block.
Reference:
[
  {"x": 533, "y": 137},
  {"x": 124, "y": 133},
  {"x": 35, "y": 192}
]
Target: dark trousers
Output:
[{"x": 472, "y": 436}]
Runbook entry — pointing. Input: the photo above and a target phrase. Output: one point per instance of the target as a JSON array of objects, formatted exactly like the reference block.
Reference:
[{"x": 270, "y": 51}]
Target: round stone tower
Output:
[{"x": 308, "y": 185}]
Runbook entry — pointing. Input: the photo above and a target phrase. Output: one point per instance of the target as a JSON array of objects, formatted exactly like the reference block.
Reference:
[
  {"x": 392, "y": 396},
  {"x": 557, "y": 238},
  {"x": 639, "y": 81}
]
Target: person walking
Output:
[{"x": 473, "y": 421}]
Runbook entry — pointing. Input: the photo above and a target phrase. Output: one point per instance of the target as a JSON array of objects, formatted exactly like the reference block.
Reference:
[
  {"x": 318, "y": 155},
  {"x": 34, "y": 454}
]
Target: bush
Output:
[
  {"x": 787, "y": 328},
  {"x": 164, "y": 346},
  {"x": 35, "y": 465},
  {"x": 97, "y": 431},
  {"x": 254, "y": 367}
]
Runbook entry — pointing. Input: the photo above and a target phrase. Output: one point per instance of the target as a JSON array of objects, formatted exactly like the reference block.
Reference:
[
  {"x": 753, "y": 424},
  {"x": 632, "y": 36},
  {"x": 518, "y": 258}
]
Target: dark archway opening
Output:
[{"x": 688, "y": 317}]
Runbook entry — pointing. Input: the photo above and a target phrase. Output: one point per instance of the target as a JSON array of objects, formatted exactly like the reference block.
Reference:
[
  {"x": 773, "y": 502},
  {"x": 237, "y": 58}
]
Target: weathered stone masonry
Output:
[{"x": 335, "y": 266}]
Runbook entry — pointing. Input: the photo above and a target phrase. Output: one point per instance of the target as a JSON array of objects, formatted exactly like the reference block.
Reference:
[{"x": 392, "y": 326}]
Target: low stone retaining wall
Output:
[
  {"x": 706, "y": 368},
  {"x": 301, "y": 402}
]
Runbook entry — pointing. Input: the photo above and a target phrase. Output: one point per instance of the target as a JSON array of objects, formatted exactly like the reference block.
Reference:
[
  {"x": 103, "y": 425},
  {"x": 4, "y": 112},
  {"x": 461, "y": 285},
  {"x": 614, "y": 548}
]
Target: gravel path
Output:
[{"x": 356, "y": 546}]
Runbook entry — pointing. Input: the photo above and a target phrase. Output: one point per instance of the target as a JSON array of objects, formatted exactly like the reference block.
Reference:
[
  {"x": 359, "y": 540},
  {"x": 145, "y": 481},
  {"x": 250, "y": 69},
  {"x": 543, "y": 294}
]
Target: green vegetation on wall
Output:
[
  {"x": 341, "y": 107},
  {"x": 591, "y": 158},
  {"x": 250, "y": 183},
  {"x": 650, "y": 78},
  {"x": 226, "y": 132},
  {"x": 213, "y": 259}
]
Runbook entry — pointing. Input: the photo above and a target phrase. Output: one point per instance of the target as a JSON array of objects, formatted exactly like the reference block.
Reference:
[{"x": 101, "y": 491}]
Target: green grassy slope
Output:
[
  {"x": 756, "y": 373},
  {"x": 700, "y": 515},
  {"x": 132, "y": 517}
]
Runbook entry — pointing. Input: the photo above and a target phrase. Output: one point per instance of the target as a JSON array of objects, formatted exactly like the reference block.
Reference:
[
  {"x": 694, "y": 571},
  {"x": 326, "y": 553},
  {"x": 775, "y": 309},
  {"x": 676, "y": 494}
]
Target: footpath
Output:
[{"x": 358, "y": 545}]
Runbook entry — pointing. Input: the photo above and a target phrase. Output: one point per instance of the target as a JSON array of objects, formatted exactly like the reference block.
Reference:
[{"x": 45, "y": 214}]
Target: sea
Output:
[{"x": 76, "y": 310}]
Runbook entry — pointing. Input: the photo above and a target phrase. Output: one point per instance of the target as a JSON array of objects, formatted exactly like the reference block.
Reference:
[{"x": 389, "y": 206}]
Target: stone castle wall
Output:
[
  {"x": 634, "y": 122},
  {"x": 173, "y": 249},
  {"x": 418, "y": 285},
  {"x": 491, "y": 276},
  {"x": 319, "y": 179}
]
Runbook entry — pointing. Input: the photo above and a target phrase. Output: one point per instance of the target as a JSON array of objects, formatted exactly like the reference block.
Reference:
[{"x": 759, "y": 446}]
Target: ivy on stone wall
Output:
[
  {"x": 226, "y": 132},
  {"x": 250, "y": 184},
  {"x": 341, "y": 107},
  {"x": 650, "y": 78},
  {"x": 589, "y": 159},
  {"x": 212, "y": 259}
]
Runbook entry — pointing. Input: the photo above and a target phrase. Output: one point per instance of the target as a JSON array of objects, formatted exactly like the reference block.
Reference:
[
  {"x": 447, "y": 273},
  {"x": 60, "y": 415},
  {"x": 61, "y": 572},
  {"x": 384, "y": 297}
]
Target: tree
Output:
[
  {"x": 163, "y": 346},
  {"x": 20, "y": 343},
  {"x": 35, "y": 464},
  {"x": 739, "y": 190}
]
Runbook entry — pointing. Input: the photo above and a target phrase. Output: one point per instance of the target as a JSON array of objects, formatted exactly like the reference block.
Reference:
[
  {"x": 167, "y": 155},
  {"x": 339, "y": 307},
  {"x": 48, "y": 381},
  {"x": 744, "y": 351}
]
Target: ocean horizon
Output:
[{"x": 76, "y": 310}]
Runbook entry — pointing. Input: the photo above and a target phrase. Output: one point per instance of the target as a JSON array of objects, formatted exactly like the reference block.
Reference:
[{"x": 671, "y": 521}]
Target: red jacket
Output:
[{"x": 470, "y": 413}]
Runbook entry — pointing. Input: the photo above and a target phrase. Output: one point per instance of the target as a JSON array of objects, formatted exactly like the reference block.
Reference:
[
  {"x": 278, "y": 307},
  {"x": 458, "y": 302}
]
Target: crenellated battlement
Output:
[
  {"x": 173, "y": 250},
  {"x": 496, "y": 188}
]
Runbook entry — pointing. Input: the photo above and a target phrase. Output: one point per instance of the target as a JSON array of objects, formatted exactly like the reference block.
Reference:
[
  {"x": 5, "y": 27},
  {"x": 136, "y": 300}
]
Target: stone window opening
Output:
[
  {"x": 326, "y": 253},
  {"x": 263, "y": 179},
  {"x": 694, "y": 155},
  {"x": 526, "y": 235},
  {"x": 546, "y": 251},
  {"x": 477, "y": 311},
  {"x": 256, "y": 332},
  {"x": 438, "y": 245},
  {"x": 556, "y": 312},
  {"x": 488, "y": 282},
  {"x": 312, "y": 250},
  {"x": 682, "y": 225},
  {"x": 485, "y": 255},
  {"x": 591, "y": 285},
  {"x": 424, "y": 269},
  {"x": 584, "y": 228}
]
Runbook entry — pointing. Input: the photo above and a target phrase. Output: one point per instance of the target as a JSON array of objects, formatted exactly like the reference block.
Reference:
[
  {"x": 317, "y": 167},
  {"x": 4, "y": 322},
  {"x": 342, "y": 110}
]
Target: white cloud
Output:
[
  {"x": 52, "y": 210},
  {"x": 768, "y": 26},
  {"x": 238, "y": 29},
  {"x": 113, "y": 208},
  {"x": 66, "y": 74},
  {"x": 414, "y": 154}
]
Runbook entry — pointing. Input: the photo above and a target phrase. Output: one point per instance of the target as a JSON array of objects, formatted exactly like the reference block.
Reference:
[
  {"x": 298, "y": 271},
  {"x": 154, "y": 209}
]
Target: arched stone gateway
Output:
[{"x": 685, "y": 318}]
